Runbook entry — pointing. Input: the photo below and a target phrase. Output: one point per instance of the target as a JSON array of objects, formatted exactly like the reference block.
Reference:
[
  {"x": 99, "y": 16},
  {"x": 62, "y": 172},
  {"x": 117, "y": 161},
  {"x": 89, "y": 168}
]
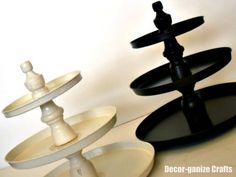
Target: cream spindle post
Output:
[
  {"x": 80, "y": 166},
  {"x": 52, "y": 114}
]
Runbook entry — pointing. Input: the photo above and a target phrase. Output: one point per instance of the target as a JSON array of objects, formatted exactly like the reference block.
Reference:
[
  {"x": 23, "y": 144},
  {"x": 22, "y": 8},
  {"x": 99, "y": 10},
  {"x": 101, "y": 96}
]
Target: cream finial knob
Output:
[
  {"x": 34, "y": 82},
  {"x": 26, "y": 66}
]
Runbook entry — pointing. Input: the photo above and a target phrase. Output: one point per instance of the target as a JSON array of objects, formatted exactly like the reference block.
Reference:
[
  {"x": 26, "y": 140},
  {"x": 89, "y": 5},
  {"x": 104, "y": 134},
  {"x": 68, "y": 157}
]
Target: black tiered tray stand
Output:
[{"x": 196, "y": 115}]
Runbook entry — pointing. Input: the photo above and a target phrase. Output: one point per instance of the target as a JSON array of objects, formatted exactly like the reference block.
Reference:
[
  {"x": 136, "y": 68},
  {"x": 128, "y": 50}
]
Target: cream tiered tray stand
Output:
[{"x": 67, "y": 138}]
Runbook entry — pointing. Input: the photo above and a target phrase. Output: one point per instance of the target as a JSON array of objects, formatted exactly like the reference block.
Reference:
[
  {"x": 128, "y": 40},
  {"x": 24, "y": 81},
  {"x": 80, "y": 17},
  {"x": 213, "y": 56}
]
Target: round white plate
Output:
[{"x": 40, "y": 149}]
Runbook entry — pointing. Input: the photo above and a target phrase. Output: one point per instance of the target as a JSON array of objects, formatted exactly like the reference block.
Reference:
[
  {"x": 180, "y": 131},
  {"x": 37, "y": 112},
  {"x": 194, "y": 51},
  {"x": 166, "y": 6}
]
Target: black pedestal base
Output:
[{"x": 167, "y": 127}]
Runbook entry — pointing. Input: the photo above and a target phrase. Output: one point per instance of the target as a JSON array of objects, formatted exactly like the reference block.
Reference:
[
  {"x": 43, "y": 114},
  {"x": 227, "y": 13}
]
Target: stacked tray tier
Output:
[
  {"x": 202, "y": 65},
  {"x": 167, "y": 127}
]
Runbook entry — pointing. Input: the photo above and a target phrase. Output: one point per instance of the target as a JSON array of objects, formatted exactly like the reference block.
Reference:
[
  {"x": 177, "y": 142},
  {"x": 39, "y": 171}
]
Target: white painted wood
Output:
[
  {"x": 52, "y": 114},
  {"x": 63, "y": 138}
]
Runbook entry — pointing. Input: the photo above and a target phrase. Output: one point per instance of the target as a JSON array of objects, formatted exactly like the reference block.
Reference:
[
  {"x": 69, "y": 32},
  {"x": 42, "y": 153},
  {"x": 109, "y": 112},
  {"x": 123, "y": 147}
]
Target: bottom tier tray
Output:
[
  {"x": 122, "y": 159},
  {"x": 167, "y": 127}
]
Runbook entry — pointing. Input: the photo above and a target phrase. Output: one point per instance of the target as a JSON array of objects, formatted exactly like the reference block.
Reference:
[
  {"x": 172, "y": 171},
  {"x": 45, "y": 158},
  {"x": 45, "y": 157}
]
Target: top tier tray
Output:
[
  {"x": 175, "y": 30},
  {"x": 55, "y": 87}
]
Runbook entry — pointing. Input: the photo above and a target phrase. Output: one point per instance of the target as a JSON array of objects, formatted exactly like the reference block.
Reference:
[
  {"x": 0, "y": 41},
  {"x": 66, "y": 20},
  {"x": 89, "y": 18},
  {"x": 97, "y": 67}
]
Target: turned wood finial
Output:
[{"x": 34, "y": 82}]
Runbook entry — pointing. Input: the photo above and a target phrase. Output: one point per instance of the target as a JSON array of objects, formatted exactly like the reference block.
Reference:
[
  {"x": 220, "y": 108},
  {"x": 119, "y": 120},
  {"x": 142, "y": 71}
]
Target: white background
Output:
[{"x": 59, "y": 36}]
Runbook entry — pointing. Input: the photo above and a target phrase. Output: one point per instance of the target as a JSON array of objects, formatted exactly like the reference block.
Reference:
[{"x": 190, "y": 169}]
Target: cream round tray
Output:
[
  {"x": 122, "y": 159},
  {"x": 40, "y": 149},
  {"x": 55, "y": 88}
]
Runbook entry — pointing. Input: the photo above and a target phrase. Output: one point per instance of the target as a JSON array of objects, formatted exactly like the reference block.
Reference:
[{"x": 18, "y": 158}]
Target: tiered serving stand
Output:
[
  {"x": 196, "y": 115},
  {"x": 67, "y": 138}
]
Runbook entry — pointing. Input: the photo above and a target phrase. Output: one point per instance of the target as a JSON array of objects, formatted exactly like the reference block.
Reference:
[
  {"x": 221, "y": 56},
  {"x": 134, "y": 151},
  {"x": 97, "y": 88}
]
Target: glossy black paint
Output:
[{"x": 181, "y": 73}]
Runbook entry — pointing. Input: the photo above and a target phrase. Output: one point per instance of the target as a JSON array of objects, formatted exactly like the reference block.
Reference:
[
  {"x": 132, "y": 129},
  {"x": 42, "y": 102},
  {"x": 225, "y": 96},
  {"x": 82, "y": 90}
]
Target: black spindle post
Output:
[{"x": 192, "y": 105}]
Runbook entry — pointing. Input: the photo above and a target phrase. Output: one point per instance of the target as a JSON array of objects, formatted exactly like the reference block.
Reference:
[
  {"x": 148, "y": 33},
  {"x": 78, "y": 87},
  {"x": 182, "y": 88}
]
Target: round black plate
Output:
[
  {"x": 202, "y": 65},
  {"x": 175, "y": 30},
  {"x": 167, "y": 127}
]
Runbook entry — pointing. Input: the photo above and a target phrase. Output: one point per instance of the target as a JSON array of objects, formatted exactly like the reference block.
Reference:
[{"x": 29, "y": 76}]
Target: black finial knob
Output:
[
  {"x": 163, "y": 20},
  {"x": 157, "y": 6}
]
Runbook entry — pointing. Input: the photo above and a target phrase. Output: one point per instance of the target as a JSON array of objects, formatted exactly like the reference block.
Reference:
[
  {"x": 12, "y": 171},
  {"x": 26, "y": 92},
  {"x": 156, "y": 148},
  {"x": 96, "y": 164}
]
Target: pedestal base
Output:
[
  {"x": 167, "y": 127},
  {"x": 123, "y": 159}
]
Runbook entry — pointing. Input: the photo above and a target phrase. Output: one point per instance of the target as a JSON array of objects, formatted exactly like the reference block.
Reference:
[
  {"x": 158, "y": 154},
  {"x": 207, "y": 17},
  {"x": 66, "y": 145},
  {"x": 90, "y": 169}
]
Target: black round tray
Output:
[
  {"x": 167, "y": 127},
  {"x": 202, "y": 65},
  {"x": 175, "y": 30}
]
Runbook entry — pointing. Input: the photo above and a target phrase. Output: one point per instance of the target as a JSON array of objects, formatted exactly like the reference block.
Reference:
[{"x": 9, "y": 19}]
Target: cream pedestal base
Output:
[{"x": 122, "y": 159}]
